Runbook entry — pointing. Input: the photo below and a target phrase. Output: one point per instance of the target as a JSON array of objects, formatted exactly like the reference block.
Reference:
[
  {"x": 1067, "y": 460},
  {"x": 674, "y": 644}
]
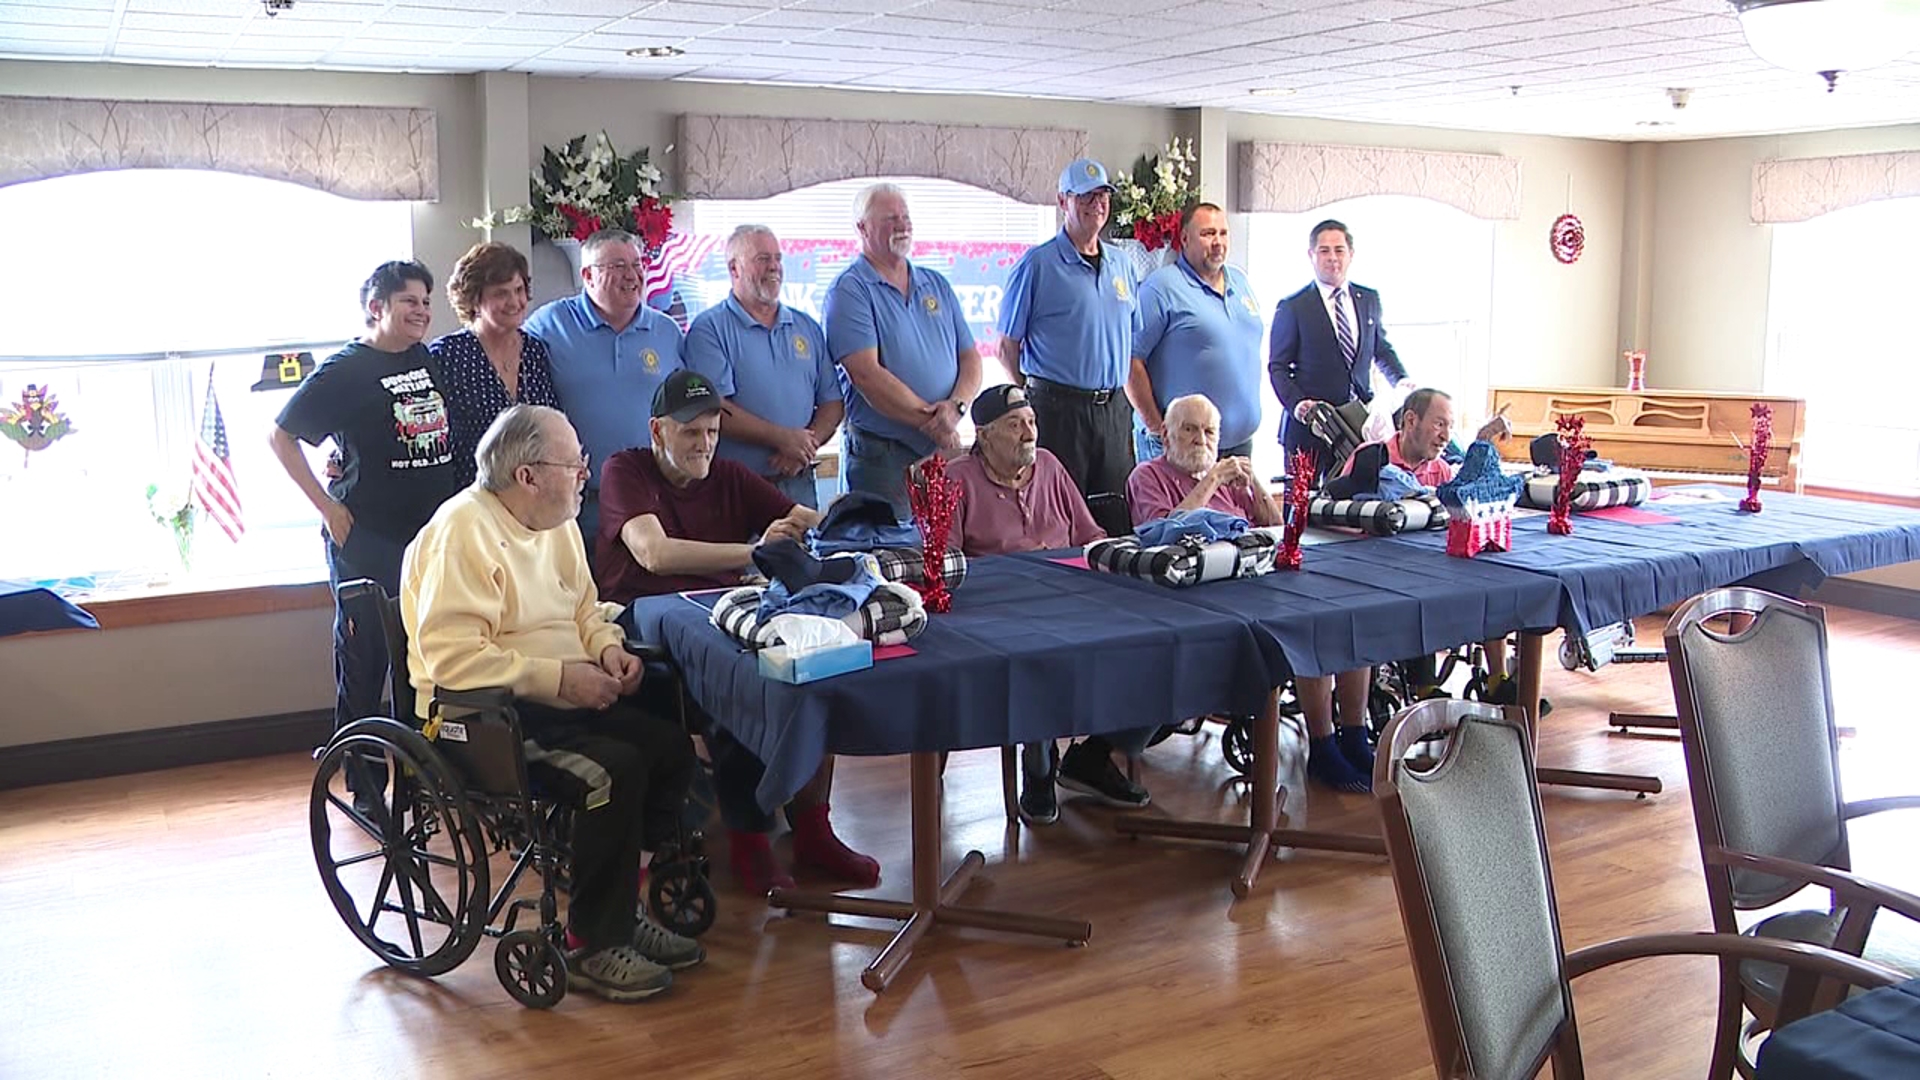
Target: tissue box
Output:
[{"x": 778, "y": 662}]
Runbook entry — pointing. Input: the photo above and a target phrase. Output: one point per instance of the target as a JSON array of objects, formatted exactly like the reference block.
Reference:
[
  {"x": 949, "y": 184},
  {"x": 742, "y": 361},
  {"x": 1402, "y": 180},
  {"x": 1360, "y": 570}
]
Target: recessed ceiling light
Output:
[
  {"x": 1273, "y": 91},
  {"x": 656, "y": 52}
]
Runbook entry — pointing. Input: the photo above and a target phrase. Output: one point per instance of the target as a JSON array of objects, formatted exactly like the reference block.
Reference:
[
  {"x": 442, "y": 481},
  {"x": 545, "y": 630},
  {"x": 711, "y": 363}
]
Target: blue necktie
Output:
[{"x": 1342, "y": 328}]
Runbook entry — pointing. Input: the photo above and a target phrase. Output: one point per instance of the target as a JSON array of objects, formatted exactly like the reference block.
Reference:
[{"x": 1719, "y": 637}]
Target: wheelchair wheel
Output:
[
  {"x": 399, "y": 850},
  {"x": 1236, "y": 745},
  {"x": 532, "y": 968},
  {"x": 682, "y": 898}
]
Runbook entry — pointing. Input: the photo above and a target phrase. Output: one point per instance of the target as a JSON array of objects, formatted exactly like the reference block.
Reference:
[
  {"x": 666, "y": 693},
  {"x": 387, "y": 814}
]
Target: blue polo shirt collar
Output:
[
  {"x": 783, "y": 315},
  {"x": 1071, "y": 255}
]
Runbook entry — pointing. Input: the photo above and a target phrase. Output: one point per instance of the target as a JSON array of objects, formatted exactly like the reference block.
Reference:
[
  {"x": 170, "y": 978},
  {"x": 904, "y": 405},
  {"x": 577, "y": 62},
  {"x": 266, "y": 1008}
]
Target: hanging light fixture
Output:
[{"x": 1827, "y": 37}]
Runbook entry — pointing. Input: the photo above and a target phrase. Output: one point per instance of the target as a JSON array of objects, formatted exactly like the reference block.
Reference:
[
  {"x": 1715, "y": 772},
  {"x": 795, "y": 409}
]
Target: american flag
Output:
[
  {"x": 213, "y": 484},
  {"x": 679, "y": 255}
]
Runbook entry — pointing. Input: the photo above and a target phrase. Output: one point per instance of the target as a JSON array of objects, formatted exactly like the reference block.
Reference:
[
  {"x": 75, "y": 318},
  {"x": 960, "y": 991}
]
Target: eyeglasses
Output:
[
  {"x": 620, "y": 268},
  {"x": 572, "y": 466}
]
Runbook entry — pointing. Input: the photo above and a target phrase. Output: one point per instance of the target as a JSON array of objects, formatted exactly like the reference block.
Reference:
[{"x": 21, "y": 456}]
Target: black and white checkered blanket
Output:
[
  {"x": 1188, "y": 562},
  {"x": 893, "y": 615},
  {"x": 1378, "y": 517},
  {"x": 1592, "y": 491},
  {"x": 907, "y": 565}
]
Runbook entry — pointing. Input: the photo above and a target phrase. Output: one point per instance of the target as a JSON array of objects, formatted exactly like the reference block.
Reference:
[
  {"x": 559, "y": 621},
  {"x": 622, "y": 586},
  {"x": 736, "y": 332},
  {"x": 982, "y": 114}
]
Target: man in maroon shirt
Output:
[
  {"x": 675, "y": 519},
  {"x": 1015, "y": 496}
]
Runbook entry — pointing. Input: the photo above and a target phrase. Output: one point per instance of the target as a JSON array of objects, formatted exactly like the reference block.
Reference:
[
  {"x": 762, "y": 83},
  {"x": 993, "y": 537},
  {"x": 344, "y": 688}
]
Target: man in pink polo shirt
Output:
[
  {"x": 1015, "y": 496},
  {"x": 1190, "y": 473},
  {"x": 1426, "y": 426}
]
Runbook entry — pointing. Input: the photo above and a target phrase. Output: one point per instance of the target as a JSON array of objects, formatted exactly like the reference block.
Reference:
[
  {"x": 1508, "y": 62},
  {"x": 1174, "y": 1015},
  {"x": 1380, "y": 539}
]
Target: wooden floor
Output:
[{"x": 171, "y": 925}]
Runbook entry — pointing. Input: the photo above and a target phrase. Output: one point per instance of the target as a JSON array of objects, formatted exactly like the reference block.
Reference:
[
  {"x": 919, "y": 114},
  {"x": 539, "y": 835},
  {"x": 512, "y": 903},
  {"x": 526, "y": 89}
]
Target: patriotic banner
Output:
[
  {"x": 214, "y": 487},
  {"x": 693, "y": 275}
]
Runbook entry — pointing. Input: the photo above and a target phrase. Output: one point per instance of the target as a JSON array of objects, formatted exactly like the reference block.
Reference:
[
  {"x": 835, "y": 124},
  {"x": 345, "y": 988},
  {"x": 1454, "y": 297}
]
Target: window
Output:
[
  {"x": 124, "y": 325},
  {"x": 1841, "y": 333},
  {"x": 1433, "y": 267},
  {"x": 973, "y": 237}
]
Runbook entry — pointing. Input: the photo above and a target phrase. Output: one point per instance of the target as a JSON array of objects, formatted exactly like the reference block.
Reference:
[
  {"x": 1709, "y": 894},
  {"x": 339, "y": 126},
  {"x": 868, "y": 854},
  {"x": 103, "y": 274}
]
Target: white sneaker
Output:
[{"x": 617, "y": 974}]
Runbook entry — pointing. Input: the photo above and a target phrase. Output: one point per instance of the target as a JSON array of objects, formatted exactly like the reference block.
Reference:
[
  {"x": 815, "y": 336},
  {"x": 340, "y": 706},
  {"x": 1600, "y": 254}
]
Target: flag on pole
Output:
[{"x": 213, "y": 485}]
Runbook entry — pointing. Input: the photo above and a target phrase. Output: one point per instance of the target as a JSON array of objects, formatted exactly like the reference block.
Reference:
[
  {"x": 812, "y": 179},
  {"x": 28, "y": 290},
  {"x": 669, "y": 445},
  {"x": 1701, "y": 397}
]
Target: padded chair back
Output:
[
  {"x": 370, "y": 610},
  {"x": 1110, "y": 512},
  {"x": 1341, "y": 426},
  {"x": 1756, "y": 719},
  {"x": 1469, "y": 860}
]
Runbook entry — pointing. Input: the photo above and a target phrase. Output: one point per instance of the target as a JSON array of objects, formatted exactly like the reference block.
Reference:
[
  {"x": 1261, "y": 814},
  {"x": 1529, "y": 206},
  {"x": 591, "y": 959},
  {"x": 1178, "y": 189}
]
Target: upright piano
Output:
[{"x": 1672, "y": 434}]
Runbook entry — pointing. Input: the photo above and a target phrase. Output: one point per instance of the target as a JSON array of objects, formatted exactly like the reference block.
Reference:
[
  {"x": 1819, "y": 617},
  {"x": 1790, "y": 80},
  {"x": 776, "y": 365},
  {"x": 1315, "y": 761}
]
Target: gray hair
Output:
[
  {"x": 1193, "y": 401},
  {"x": 737, "y": 240},
  {"x": 864, "y": 201},
  {"x": 590, "y": 250},
  {"x": 518, "y": 436}
]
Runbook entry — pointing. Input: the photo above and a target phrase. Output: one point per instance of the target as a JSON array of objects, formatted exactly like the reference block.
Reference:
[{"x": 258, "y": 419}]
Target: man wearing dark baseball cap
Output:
[
  {"x": 673, "y": 518},
  {"x": 1015, "y": 496}
]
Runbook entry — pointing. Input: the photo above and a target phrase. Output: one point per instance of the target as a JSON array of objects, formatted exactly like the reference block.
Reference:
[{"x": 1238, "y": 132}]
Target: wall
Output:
[
  {"x": 1552, "y": 324},
  {"x": 1711, "y": 264}
]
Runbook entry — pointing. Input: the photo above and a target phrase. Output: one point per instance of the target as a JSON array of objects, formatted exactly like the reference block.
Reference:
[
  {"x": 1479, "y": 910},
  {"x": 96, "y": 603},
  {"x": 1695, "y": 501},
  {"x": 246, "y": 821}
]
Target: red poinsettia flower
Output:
[
  {"x": 580, "y": 224},
  {"x": 653, "y": 220}
]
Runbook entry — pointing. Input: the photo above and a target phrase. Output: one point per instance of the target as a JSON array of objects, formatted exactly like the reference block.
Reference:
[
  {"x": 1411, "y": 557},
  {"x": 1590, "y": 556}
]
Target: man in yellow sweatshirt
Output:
[{"x": 495, "y": 592}]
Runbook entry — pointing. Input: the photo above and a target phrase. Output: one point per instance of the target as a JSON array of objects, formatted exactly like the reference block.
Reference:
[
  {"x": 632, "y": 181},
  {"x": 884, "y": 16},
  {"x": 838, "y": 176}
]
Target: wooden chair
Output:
[
  {"x": 1468, "y": 852},
  {"x": 1757, "y": 723}
]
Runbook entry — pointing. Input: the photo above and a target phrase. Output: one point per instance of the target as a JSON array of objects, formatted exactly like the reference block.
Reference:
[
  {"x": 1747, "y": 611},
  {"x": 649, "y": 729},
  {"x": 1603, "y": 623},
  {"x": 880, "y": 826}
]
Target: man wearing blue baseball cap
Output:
[{"x": 1066, "y": 335}]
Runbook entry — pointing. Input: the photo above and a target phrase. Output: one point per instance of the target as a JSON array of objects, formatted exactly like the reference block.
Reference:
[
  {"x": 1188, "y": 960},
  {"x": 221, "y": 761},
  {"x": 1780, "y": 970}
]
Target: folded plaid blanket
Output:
[
  {"x": 1378, "y": 517},
  {"x": 1188, "y": 562},
  {"x": 907, "y": 565},
  {"x": 1592, "y": 491},
  {"x": 892, "y": 615}
]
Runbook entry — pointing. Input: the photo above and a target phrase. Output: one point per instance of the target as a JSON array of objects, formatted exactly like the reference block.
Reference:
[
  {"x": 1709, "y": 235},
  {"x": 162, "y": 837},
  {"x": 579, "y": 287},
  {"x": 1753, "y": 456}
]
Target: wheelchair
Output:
[{"x": 405, "y": 821}]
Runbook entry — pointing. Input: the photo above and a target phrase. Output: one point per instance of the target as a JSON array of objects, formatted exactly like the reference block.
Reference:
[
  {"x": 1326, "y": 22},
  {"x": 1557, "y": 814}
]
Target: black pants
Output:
[
  {"x": 626, "y": 772},
  {"x": 360, "y": 658},
  {"x": 1090, "y": 431}
]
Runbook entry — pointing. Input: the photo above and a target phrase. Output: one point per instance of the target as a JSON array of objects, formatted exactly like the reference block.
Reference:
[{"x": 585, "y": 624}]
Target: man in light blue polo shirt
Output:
[
  {"x": 770, "y": 362},
  {"x": 908, "y": 366},
  {"x": 1066, "y": 334},
  {"x": 610, "y": 352},
  {"x": 1199, "y": 333}
]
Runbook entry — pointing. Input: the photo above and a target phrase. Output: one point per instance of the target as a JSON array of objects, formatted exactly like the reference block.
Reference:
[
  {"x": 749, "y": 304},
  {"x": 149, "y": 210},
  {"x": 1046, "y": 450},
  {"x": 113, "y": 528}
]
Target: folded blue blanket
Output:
[{"x": 1206, "y": 525}]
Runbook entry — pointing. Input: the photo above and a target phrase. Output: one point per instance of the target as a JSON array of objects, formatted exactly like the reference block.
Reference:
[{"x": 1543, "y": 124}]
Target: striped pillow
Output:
[
  {"x": 1189, "y": 562},
  {"x": 893, "y": 615},
  {"x": 1593, "y": 491}
]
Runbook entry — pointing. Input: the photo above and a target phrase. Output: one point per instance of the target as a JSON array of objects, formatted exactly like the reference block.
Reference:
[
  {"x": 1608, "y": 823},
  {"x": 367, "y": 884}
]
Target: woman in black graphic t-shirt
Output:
[{"x": 383, "y": 402}]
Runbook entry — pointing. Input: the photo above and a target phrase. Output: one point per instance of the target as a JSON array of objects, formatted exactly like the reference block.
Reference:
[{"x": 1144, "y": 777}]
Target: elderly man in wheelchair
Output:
[{"x": 495, "y": 593}]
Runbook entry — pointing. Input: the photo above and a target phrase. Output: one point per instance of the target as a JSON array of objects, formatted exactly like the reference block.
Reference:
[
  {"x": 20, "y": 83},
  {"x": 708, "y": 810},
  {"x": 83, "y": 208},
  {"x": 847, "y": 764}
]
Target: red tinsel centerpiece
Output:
[
  {"x": 1757, "y": 451},
  {"x": 933, "y": 497},
  {"x": 1573, "y": 455},
  {"x": 1294, "y": 513}
]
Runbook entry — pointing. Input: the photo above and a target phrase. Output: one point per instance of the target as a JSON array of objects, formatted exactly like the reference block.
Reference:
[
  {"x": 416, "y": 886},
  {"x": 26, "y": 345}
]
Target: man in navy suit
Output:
[{"x": 1326, "y": 341}]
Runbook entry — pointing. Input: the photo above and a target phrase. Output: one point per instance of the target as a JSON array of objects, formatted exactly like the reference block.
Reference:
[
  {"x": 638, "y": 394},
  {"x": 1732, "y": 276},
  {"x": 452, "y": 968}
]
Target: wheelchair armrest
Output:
[
  {"x": 649, "y": 651},
  {"x": 488, "y": 698}
]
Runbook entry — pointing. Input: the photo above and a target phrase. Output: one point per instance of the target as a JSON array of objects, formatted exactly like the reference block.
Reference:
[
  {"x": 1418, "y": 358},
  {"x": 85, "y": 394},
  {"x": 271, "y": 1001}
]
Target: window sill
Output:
[
  {"x": 1853, "y": 495},
  {"x": 158, "y": 609}
]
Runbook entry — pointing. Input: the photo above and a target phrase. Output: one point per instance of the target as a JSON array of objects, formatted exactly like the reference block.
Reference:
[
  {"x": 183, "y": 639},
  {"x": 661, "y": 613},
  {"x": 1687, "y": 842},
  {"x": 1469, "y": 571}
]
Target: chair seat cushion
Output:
[{"x": 1893, "y": 941}]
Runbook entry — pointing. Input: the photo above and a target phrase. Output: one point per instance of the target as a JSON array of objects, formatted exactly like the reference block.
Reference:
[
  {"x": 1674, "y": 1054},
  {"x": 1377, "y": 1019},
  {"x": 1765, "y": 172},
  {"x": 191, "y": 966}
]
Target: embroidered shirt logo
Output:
[
  {"x": 650, "y": 360},
  {"x": 1120, "y": 289},
  {"x": 932, "y": 304},
  {"x": 799, "y": 345}
]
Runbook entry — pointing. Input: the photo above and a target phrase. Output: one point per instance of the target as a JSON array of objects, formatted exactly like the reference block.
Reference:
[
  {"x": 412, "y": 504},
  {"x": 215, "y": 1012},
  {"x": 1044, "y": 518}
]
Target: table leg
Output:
[
  {"x": 1532, "y": 649},
  {"x": 1261, "y": 834},
  {"x": 933, "y": 900}
]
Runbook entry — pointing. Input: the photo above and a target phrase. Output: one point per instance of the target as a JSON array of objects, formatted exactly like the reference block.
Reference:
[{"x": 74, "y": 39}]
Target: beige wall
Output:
[
  {"x": 1711, "y": 264},
  {"x": 1552, "y": 324}
]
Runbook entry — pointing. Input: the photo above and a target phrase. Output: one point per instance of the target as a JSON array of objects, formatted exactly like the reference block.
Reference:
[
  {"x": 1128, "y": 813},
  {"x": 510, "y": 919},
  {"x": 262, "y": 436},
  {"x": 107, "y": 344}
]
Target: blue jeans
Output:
[
  {"x": 879, "y": 465},
  {"x": 801, "y": 488},
  {"x": 1147, "y": 445},
  {"x": 359, "y": 657}
]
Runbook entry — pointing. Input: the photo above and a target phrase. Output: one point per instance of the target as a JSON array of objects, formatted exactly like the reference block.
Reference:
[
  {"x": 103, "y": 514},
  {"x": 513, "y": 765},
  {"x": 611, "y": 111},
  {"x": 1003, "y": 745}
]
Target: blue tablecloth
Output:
[
  {"x": 1874, "y": 1036},
  {"x": 1029, "y": 651},
  {"x": 25, "y": 607},
  {"x": 1615, "y": 570},
  {"x": 1367, "y": 602}
]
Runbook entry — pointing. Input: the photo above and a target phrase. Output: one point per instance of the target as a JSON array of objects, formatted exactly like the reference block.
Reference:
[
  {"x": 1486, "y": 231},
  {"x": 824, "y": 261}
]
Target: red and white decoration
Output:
[{"x": 1567, "y": 238}]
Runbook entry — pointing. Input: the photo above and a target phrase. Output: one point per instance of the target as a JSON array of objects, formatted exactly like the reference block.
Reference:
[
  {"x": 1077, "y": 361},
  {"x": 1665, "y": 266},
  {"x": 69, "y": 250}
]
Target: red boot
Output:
[
  {"x": 815, "y": 846},
  {"x": 753, "y": 865}
]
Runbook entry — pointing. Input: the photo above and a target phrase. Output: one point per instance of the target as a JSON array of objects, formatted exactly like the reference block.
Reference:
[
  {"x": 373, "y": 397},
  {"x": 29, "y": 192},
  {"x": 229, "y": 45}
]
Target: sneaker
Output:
[
  {"x": 675, "y": 952},
  {"x": 617, "y": 974},
  {"x": 1088, "y": 768},
  {"x": 1039, "y": 803}
]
